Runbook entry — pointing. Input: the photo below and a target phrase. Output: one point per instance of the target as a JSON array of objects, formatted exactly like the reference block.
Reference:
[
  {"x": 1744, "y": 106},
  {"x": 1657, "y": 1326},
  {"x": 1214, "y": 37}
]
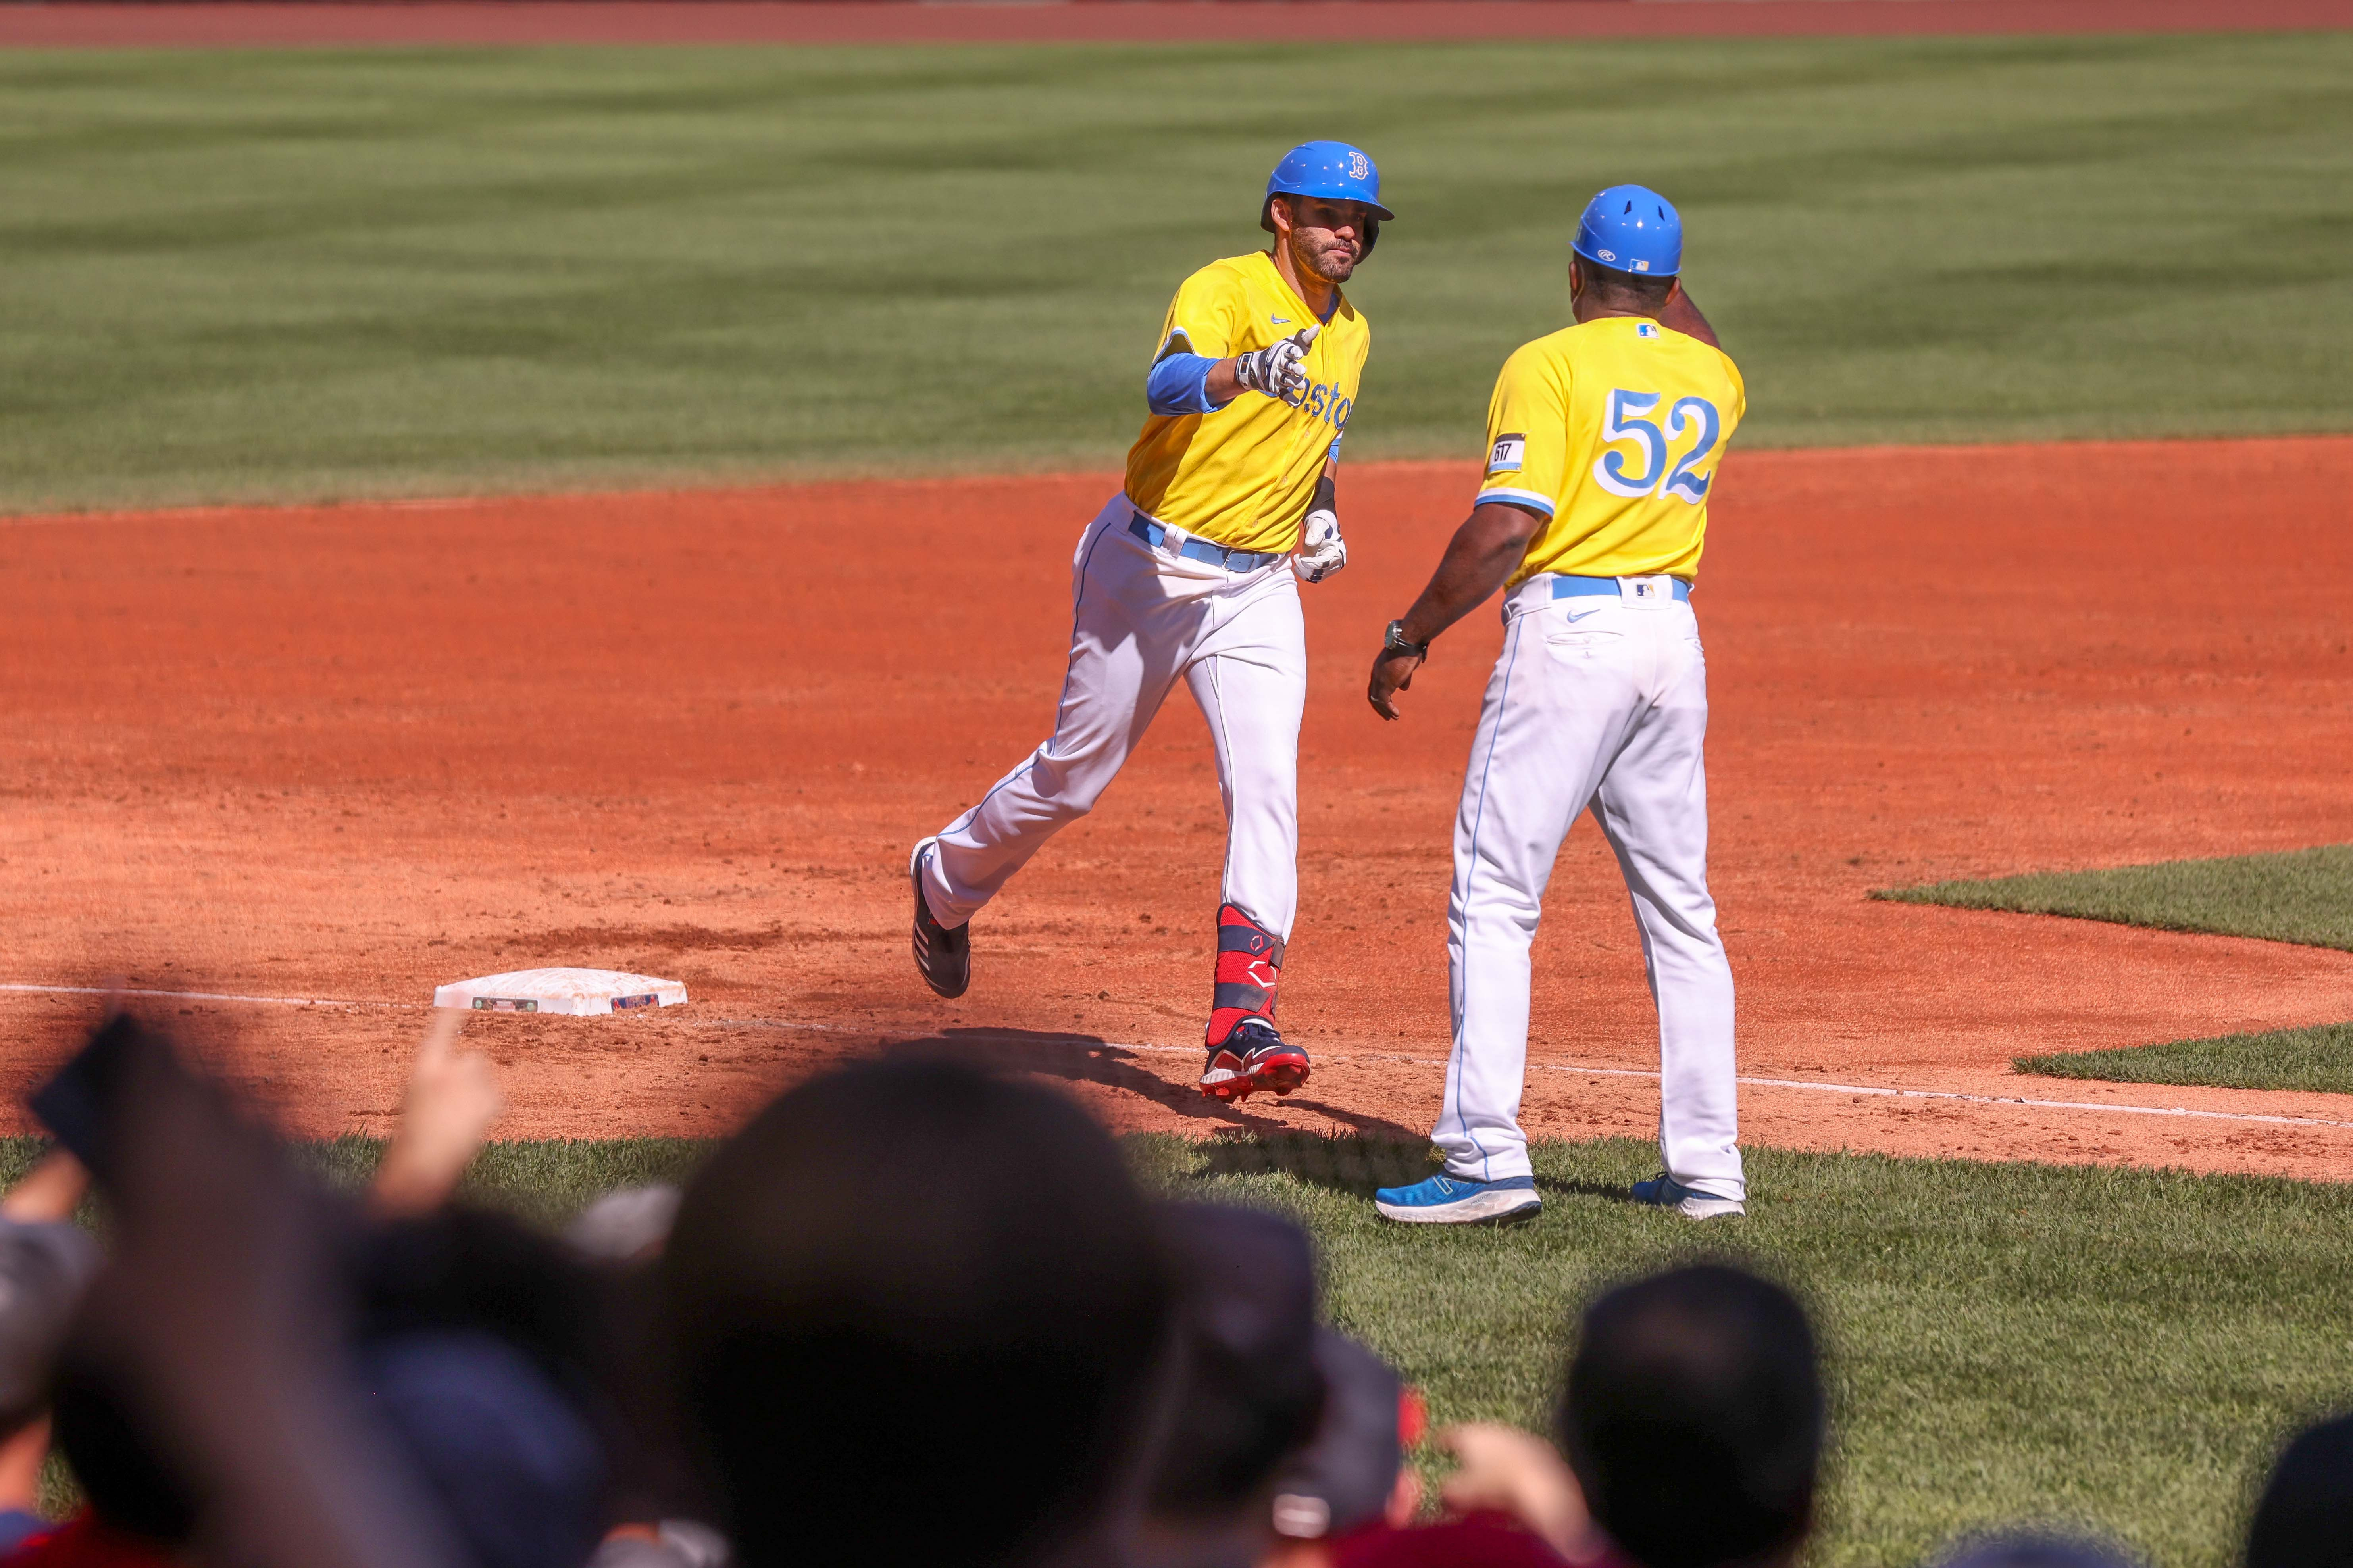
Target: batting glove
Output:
[
  {"x": 1278, "y": 369},
  {"x": 1321, "y": 550}
]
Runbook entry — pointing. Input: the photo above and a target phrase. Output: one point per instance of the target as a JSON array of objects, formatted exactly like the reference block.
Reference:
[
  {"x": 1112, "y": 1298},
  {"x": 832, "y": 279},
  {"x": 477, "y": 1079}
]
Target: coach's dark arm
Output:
[{"x": 1482, "y": 554}]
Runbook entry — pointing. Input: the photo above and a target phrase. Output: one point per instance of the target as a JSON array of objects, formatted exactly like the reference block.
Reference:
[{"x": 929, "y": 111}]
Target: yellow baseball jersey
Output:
[
  {"x": 1612, "y": 429},
  {"x": 1242, "y": 475}
]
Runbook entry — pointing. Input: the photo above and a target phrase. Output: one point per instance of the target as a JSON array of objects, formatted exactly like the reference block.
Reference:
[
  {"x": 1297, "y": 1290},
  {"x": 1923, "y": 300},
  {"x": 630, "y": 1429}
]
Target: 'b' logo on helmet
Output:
[{"x": 1357, "y": 167}]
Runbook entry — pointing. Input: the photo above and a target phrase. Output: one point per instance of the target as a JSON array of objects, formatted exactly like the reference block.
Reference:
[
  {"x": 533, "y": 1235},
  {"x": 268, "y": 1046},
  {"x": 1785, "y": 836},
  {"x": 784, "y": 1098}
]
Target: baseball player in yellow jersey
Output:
[
  {"x": 1191, "y": 572},
  {"x": 1602, "y": 443}
]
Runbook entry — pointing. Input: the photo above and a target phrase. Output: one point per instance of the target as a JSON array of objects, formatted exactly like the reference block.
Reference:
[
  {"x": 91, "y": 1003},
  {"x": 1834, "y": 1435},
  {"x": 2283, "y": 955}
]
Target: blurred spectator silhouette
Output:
[
  {"x": 624, "y": 1231},
  {"x": 263, "y": 1376},
  {"x": 45, "y": 1261},
  {"x": 1692, "y": 1423},
  {"x": 1247, "y": 1390},
  {"x": 915, "y": 1315},
  {"x": 2037, "y": 1548},
  {"x": 1693, "y": 1420},
  {"x": 1351, "y": 1480},
  {"x": 2305, "y": 1518}
]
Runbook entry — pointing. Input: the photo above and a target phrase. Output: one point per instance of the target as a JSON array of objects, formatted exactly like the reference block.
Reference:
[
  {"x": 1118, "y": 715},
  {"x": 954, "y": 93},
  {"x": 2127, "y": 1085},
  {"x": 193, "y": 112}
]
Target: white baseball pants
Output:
[
  {"x": 1144, "y": 616},
  {"x": 1597, "y": 703}
]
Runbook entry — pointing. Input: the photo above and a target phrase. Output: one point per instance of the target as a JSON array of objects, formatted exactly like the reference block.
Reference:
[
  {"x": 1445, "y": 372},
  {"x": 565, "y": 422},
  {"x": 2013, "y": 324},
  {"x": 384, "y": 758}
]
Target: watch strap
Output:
[{"x": 1394, "y": 640}]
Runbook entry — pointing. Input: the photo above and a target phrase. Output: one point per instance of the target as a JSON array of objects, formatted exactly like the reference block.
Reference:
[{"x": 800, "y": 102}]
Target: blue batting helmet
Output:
[
  {"x": 1332, "y": 169},
  {"x": 1634, "y": 229}
]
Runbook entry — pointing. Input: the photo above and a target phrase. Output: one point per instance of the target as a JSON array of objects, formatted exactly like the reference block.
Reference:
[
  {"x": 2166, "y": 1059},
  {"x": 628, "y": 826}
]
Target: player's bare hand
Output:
[
  {"x": 1278, "y": 369},
  {"x": 1321, "y": 550},
  {"x": 1392, "y": 673}
]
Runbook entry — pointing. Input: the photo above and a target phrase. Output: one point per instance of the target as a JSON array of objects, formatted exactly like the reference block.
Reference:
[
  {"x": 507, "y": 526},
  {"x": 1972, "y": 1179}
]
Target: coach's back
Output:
[{"x": 1612, "y": 429}]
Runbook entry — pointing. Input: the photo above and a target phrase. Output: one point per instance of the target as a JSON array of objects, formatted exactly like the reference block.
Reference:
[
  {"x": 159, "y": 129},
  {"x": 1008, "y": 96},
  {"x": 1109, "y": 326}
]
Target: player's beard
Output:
[{"x": 1335, "y": 263}]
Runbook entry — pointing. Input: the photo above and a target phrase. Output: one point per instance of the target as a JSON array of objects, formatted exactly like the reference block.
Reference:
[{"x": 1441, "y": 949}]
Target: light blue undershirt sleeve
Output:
[{"x": 1179, "y": 383}]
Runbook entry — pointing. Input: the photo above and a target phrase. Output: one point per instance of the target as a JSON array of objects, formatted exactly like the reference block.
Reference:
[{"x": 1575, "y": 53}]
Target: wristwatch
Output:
[{"x": 1393, "y": 641}]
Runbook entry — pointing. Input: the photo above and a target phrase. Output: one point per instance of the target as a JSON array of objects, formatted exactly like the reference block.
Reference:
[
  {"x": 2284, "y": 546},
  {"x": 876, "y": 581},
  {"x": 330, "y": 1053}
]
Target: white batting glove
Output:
[
  {"x": 1278, "y": 369},
  {"x": 1321, "y": 550}
]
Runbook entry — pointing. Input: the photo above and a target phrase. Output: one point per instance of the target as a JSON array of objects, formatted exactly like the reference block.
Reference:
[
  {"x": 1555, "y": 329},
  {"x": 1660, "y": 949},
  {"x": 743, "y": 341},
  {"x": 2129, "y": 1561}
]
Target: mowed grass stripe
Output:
[
  {"x": 312, "y": 273},
  {"x": 2319, "y": 1058},
  {"x": 2118, "y": 1350},
  {"x": 2303, "y": 896}
]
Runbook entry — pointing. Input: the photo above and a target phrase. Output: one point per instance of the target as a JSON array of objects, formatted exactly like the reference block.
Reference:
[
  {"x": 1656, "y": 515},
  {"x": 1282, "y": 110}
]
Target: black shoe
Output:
[{"x": 942, "y": 953}]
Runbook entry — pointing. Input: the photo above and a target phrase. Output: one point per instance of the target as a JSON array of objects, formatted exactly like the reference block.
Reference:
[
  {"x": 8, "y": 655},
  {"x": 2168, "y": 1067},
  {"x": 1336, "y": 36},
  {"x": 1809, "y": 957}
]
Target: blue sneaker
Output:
[
  {"x": 1451, "y": 1200},
  {"x": 1666, "y": 1193}
]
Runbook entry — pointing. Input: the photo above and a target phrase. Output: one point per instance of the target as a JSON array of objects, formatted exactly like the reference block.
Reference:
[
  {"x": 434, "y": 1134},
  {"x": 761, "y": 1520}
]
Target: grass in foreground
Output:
[
  {"x": 2319, "y": 1058},
  {"x": 2119, "y": 1350},
  {"x": 2303, "y": 896},
  {"x": 308, "y": 273}
]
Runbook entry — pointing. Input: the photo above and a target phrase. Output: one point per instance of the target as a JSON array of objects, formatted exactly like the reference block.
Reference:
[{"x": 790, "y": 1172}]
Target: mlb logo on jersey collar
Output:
[{"x": 1646, "y": 329}]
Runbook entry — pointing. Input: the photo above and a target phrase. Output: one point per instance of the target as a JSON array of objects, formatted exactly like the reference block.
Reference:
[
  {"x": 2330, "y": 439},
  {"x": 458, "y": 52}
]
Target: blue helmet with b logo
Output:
[
  {"x": 1332, "y": 169},
  {"x": 1634, "y": 229}
]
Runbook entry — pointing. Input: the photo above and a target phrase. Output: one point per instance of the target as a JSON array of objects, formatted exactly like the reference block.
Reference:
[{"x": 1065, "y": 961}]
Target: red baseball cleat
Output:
[{"x": 1251, "y": 1058}]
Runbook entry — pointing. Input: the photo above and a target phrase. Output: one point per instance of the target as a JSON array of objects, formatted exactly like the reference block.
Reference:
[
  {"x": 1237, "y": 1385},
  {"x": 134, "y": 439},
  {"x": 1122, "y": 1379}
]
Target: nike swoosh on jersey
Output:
[{"x": 1279, "y": 321}]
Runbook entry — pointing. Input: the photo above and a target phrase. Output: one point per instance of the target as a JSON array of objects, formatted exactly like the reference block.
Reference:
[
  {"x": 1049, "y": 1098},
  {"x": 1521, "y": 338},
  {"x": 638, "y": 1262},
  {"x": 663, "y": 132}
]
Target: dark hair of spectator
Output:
[
  {"x": 2305, "y": 1518},
  {"x": 1694, "y": 1418},
  {"x": 914, "y": 1312},
  {"x": 1626, "y": 290},
  {"x": 1251, "y": 1390}
]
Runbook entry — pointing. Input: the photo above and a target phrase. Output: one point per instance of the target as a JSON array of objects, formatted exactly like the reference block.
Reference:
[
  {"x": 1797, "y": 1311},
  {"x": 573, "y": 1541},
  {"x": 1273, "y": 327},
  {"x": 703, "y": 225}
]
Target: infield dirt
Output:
[{"x": 352, "y": 752}]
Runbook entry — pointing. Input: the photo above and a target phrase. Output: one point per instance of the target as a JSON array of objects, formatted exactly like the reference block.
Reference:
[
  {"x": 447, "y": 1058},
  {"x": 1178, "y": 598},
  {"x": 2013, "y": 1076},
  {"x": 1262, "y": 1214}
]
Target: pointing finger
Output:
[{"x": 440, "y": 1037}]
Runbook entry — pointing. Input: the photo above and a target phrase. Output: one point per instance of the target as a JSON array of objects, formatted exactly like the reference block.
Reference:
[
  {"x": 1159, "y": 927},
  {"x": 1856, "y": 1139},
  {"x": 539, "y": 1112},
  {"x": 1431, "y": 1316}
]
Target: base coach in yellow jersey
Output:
[
  {"x": 1602, "y": 445},
  {"x": 1191, "y": 573}
]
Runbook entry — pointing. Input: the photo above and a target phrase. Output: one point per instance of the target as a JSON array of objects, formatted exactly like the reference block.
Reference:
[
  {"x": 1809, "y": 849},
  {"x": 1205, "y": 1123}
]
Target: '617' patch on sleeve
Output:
[{"x": 1505, "y": 458}]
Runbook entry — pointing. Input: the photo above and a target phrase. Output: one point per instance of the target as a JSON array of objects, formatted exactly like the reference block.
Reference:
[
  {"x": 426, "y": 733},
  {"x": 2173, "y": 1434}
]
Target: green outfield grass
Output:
[
  {"x": 2303, "y": 896},
  {"x": 2113, "y": 1349},
  {"x": 307, "y": 273},
  {"x": 2319, "y": 1058}
]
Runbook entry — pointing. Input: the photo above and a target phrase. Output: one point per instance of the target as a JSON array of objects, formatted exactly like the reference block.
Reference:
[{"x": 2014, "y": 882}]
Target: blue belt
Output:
[
  {"x": 1565, "y": 587},
  {"x": 1155, "y": 535}
]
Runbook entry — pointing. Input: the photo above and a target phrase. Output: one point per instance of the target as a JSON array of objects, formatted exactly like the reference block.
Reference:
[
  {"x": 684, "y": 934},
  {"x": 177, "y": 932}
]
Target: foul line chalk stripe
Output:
[
  {"x": 198, "y": 995},
  {"x": 1874, "y": 1091}
]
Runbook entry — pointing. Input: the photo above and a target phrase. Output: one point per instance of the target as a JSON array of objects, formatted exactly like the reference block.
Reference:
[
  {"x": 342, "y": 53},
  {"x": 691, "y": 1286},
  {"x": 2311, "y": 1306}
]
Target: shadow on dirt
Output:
[{"x": 1088, "y": 1058}]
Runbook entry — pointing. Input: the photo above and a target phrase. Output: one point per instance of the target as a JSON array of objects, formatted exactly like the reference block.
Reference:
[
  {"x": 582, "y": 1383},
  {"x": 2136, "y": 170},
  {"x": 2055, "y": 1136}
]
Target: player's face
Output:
[{"x": 1327, "y": 236}]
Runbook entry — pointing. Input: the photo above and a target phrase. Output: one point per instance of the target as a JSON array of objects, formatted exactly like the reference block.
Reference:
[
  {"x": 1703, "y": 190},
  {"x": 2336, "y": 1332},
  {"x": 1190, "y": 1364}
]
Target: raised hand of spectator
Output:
[
  {"x": 243, "y": 1378},
  {"x": 49, "y": 1192},
  {"x": 452, "y": 1099},
  {"x": 46, "y": 1263},
  {"x": 1501, "y": 1469}
]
